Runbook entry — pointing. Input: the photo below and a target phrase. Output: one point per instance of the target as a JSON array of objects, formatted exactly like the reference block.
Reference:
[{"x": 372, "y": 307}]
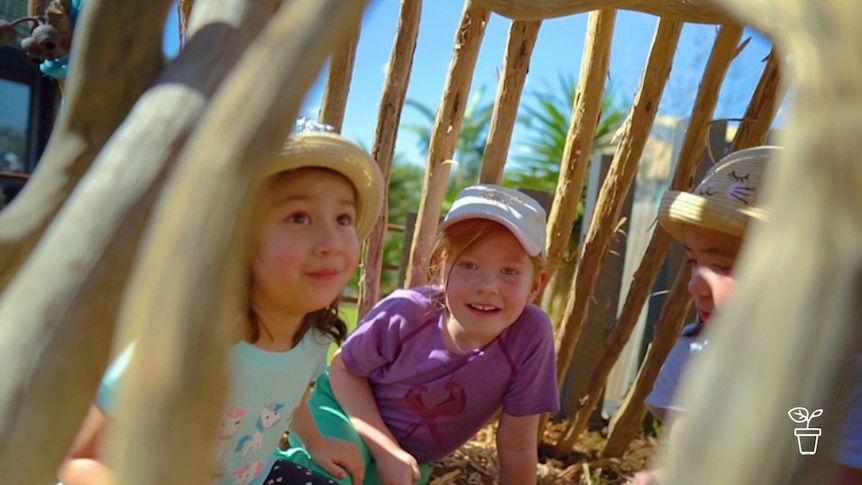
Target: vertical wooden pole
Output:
[
  {"x": 605, "y": 300},
  {"x": 582, "y": 132},
  {"x": 753, "y": 132},
  {"x": 388, "y": 119},
  {"x": 516, "y": 64},
  {"x": 667, "y": 328},
  {"x": 183, "y": 307},
  {"x": 338, "y": 81},
  {"x": 765, "y": 100},
  {"x": 790, "y": 335},
  {"x": 616, "y": 186},
  {"x": 447, "y": 125}
]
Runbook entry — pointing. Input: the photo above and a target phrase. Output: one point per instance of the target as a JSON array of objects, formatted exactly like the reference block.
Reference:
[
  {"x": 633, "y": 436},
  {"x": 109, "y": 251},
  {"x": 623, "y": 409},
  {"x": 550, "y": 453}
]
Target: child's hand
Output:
[
  {"x": 335, "y": 456},
  {"x": 397, "y": 467}
]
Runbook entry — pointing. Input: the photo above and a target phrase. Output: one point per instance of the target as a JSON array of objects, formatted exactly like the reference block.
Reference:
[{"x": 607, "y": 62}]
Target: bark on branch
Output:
[
  {"x": 185, "y": 292},
  {"x": 790, "y": 335},
  {"x": 117, "y": 53},
  {"x": 62, "y": 306}
]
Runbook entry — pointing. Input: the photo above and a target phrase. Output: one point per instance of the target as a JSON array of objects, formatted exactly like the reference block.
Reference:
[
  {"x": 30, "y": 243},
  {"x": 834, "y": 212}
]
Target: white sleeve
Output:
[{"x": 660, "y": 400}]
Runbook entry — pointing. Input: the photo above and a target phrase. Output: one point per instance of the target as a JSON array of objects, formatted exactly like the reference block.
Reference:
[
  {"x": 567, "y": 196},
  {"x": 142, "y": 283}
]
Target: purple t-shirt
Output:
[{"x": 433, "y": 399}]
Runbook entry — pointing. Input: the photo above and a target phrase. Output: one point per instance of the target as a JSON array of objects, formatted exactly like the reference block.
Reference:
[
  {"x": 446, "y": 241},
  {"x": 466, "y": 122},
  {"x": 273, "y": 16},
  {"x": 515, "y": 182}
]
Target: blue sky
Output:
[{"x": 558, "y": 51}]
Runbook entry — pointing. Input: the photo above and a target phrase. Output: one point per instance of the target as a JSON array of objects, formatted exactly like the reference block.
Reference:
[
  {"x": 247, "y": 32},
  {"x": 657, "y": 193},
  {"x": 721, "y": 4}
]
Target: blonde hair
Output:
[
  {"x": 459, "y": 237},
  {"x": 326, "y": 320}
]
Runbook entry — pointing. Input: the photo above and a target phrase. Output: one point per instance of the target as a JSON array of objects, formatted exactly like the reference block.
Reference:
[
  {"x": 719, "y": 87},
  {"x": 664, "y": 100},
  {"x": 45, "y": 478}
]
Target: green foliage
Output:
[
  {"x": 546, "y": 117},
  {"x": 405, "y": 189},
  {"x": 470, "y": 148}
]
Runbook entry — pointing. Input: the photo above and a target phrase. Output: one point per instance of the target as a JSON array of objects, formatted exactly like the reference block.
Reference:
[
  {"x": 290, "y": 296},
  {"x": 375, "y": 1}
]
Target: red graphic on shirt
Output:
[{"x": 450, "y": 406}]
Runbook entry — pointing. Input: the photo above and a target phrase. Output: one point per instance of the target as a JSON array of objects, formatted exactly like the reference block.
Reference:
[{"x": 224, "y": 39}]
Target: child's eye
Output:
[
  {"x": 509, "y": 271},
  {"x": 298, "y": 218},
  {"x": 722, "y": 269},
  {"x": 468, "y": 265},
  {"x": 345, "y": 219}
]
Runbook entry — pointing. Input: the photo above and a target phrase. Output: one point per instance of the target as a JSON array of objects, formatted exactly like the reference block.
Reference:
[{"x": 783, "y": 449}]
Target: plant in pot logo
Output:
[{"x": 807, "y": 437}]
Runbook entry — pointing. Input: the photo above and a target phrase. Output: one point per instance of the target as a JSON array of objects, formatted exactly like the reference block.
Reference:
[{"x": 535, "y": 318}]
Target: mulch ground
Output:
[{"x": 475, "y": 463}]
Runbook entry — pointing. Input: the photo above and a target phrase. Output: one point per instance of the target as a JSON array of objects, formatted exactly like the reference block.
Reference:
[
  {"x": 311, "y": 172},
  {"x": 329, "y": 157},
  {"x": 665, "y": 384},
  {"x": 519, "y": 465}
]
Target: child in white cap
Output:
[
  {"x": 319, "y": 199},
  {"x": 429, "y": 366},
  {"x": 712, "y": 222}
]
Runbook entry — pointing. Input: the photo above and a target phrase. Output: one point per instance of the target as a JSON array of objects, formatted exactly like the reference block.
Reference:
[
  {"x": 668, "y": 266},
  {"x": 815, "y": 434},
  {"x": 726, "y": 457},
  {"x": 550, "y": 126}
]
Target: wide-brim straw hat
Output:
[
  {"x": 331, "y": 151},
  {"x": 727, "y": 199}
]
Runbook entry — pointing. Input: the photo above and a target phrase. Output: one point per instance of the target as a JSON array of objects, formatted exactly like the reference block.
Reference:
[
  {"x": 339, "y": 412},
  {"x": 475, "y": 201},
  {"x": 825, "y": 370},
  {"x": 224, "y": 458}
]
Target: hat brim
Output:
[
  {"x": 336, "y": 153},
  {"x": 678, "y": 209},
  {"x": 527, "y": 243}
]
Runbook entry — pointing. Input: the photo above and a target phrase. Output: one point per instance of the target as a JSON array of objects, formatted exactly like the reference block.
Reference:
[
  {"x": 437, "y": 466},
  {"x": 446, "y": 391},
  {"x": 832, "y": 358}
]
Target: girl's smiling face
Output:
[
  {"x": 306, "y": 247},
  {"x": 487, "y": 286},
  {"x": 711, "y": 256}
]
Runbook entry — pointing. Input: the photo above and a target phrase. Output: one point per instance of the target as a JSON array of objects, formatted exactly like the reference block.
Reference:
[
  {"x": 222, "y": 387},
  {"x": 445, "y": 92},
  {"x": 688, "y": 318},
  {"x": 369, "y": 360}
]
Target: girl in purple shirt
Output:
[{"x": 429, "y": 366}]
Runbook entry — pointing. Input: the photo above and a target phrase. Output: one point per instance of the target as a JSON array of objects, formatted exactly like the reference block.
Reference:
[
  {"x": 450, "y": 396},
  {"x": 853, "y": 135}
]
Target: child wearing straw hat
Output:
[
  {"x": 319, "y": 198},
  {"x": 712, "y": 221}
]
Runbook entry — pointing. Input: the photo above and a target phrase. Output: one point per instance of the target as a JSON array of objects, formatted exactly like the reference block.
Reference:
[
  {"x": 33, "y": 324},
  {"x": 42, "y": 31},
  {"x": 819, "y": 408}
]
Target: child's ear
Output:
[{"x": 538, "y": 283}]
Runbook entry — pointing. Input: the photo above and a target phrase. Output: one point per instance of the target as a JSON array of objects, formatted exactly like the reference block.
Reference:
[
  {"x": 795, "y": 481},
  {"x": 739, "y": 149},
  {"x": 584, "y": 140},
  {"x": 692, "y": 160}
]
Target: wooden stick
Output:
[
  {"x": 43, "y": 340},
  {"x": 582, "y": 133},
  {"x": 388, "y": 120},
  {"x": 182, "y": 305},
  {"x": 447, "y": 125},
  {"x": 115, "y": 65},
  {"x": 690, "y": 156},
  {"x": 702, "y": 11},
  {"x": 636, "y": 128},
  {"x": 586, "y": 110},
  {"x": 338, "y": 81},
  {"x": 606, "y": 214},
  {"x": 764, "y": 103},
  {"x": 516, "y": 64},
  {"x": 628, "y": 418},
  {"x": 789, "y": 336}
]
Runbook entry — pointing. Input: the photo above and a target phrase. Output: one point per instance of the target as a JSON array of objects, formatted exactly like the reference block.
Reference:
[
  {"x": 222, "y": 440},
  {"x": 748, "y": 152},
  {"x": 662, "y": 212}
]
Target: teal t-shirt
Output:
[{"x": 266, "y": 389}]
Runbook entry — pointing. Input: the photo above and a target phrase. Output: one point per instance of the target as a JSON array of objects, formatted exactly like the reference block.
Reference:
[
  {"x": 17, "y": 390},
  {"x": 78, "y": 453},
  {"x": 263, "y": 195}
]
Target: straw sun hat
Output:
[
  {"x": 316, "y": 145},
  {"x": 727, "y": 198}
]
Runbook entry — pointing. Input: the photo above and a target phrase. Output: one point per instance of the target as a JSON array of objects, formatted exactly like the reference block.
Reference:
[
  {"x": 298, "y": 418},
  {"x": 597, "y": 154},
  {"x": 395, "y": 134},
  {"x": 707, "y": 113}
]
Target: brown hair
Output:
[
  {"x": 459, "y": 237},
  {"x": 326, "y": 320}
]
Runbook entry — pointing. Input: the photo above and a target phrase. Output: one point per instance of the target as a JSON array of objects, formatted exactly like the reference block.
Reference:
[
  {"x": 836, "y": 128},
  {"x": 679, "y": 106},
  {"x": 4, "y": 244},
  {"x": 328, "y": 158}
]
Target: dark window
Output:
[
  {"x": 14, "y": 122},
  {"x": 28, "y": 105}
]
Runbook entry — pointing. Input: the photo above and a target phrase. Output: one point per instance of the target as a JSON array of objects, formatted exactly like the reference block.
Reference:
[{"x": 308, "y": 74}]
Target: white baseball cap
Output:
[{"x": 516, "y": 211}]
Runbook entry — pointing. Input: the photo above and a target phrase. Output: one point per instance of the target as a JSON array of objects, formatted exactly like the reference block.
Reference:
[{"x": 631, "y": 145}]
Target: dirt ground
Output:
[{"x": 475, "y": 463}]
